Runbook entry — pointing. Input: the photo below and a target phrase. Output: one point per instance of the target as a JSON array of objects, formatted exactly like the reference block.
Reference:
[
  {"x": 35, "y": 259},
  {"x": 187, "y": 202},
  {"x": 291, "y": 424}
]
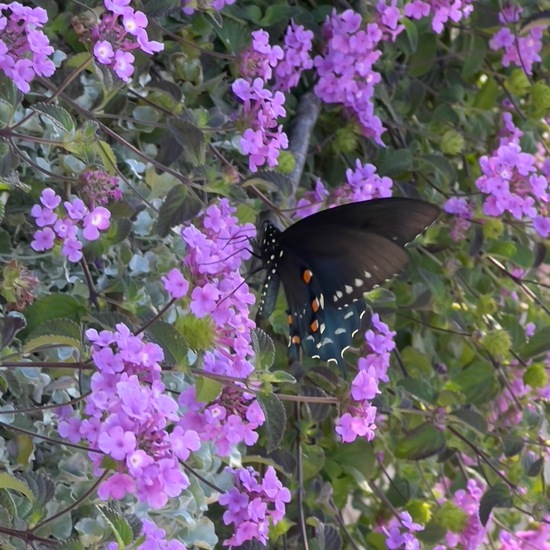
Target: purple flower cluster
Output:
[
  {"x": 521, "y": 51},
  {"x": 120, "y": 31},
  {"x": 263, "y": 138},
  {"x": 126, "y": 417},
  {"x": 359, "y": 419},
  {"x": 99, "y": 187},
  {"x": 260, "y": 58},
  {"x": 537, "y": 537},
  {"x": 214, "y": 258},
  {"x": 514, "y": 183},
  {"x": 252, "y": 506},
  {"x": 311, "y": 201},
  {"x": 345, "y": 70},
  {"x": 460, "y": 207},
  {"x": 400, "y": 533},
  {"x": 233, "y": 417},
  {"x": 76, "y": 216},
  {"x": 296, "y": 59},
  {"x": 473, "y": 535},
  {"x": 365, "y": 184},
  {"x": 153, "y": 539},
  {"x": 442, "y": 10},
  {"x": 24, "y": 49}
]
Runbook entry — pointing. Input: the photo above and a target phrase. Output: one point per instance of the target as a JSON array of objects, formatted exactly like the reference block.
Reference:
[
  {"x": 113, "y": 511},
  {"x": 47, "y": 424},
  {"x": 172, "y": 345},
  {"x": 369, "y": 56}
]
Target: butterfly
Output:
[{"x": 327, "y": 261}]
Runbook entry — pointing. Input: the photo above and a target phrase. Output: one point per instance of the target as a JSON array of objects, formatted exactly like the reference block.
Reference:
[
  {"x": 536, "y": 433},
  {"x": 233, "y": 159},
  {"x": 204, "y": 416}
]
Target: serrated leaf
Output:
[
  {"x": 49, "y": 341},
  {"x": 475, "y": 56},
  {"x": 10, "y": 325},
  {"x": 59, "y": 327},
  {"x": 7, "y": 503},
  {"x": 538, "y": 344},
  {"x": 269, "y": 180},
  {"x": 275, "y": 419},
  {"x": 473, "y": 419},
  {"x": 533, "y": 467},
  {"x": 178, "y": 207},
  {"x": 191, "y": 138},
  {"x": 422, "y": 442},
  {"x": 119, "y": 526},
  {"x": 206, "y": 389},
  {"x": 53, "y": 306},
  {"x": 264, "y": 348},
  {"x": 107, "y": 155},
  {"x": 170, "y": 340},
  {"x": 478, "y": 383},
  {"x": 8, "y": 481},
  {"x": 497, "y": 496},
  {"x": 42, "y": 485},
  {"x": 58, "y": 116}
]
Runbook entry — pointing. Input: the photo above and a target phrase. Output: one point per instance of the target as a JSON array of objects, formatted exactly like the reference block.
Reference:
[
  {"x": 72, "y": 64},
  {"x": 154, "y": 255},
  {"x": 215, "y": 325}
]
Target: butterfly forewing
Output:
[{"x": 327, "y": 261}]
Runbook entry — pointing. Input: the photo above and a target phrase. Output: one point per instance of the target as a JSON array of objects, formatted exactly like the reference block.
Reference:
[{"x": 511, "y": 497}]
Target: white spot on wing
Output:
[{"x": 348, "y": 289}]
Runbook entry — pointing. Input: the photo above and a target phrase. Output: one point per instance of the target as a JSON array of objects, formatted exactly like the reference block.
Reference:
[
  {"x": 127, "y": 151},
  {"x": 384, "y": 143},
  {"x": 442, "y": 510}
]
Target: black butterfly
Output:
[{"x": 327, "y": 261}]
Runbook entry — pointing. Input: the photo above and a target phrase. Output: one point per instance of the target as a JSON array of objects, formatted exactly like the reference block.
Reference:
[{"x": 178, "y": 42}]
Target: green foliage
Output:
[{"x": 465, "y": 398}]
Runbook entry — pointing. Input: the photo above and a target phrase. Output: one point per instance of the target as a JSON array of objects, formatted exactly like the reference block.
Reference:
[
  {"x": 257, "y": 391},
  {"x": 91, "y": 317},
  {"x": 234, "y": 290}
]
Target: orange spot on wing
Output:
[
  {"x": 307, "y": 275},
  {"x": 314, "y": 326}
]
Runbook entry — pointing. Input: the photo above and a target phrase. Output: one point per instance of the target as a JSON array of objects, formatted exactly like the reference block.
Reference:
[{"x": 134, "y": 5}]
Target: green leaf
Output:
[
  {"x": 422, "y": 442},
  {"x": 178, "y": 207},
  {"x": 497, "y": 496},
  {"x": 264, "y": 348},
  {"x": 170, "y": 340},
  {"x": 191, "y": 138},
  {"x": 49, "y": 341},
  {"x": 474, "y": 56},
  {"x": 538, "y": 344},
  {"x": 10, "y": 325},
  {"x": 206, "y": 389},
  {"x": 423, "y": 59},
  {"x": 8, "y": 481},
  {"x": 58, "y": 116},
  {"x": 488, "y": 95},
  {"x": 53, "y": 306},
  {"x": 478, "y": 383},
  {"x": 275, "y": 419},
  {"x": 473, "y": 419},
  {"x": 119, "y": 525}
]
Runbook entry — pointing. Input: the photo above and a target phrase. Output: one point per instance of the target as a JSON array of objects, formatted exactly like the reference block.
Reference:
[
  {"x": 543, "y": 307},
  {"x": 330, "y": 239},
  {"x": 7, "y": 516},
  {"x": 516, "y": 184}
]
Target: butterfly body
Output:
[{"x": 327, "y": 261}]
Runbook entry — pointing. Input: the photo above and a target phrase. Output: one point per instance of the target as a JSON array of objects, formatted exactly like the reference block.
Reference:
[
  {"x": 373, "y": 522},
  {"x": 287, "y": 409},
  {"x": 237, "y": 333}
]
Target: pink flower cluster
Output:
[
  {"x": 214, "y": 258},
  {"x": 296, "y": 58},
  {"x": 24, "y": 49},
  {"x": 232, "y": 418},
  {"x": 263, "y": 138},
  {"x": 365, "y": 184},
  {"x": 537, "y": 537},
  {"x": 521, "y": 51},
  {"x": 400, "y": 533},
  {"x": 442, "y": 11},
  {"x": 359, "y": 420},
  {"x": 126, "y": 416},
  {"x": 99, "y": 187},
  {"x": 121, "y": 30},
  {"x": 345, "y": 70},
  {"x": 473, "y": 535},
  {"x": 460, "y": 207},
  {"x": 252, "y": 506},
  {"x": 513, "y": 182},
  {"x": 260, "y": 58},
  {"x": 66, "y": 228}
]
